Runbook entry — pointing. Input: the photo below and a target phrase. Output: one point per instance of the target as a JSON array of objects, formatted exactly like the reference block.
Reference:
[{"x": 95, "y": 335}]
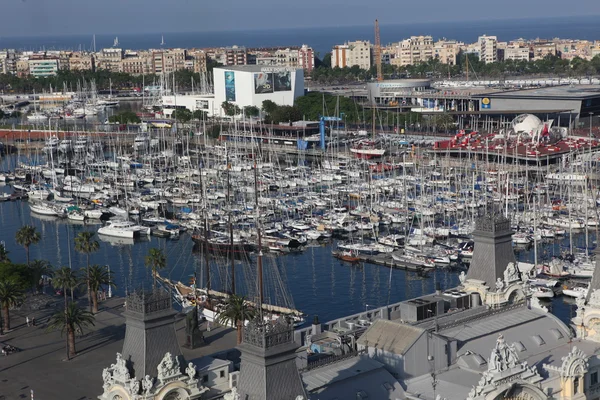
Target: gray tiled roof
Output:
[
  {"x": 391, "y": 336},
  {"x": 517, "y": 325}
]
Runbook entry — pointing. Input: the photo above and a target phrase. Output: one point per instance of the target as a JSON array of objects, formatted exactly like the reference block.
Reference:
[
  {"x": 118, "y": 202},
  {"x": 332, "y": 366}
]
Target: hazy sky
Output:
[{"x": 58, "y": 17}]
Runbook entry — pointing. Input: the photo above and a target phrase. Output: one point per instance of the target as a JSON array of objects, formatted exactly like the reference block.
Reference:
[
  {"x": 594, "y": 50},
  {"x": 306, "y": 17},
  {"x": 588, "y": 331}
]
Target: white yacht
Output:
[
  {"x": 51, "y": 144},
  {"x": 43, "y": 209},
  {"x": 124, "y": 229},
  {"x": 37, "y": 117}
]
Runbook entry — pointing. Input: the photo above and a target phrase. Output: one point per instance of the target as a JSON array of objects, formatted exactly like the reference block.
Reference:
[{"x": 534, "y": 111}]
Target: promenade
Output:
[{"x": 41, "y": 364}]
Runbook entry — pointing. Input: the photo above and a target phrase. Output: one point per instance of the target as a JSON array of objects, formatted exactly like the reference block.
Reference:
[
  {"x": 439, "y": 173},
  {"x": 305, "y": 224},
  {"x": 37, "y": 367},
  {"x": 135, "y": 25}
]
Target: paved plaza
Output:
[{"x": 41, "y": 364}]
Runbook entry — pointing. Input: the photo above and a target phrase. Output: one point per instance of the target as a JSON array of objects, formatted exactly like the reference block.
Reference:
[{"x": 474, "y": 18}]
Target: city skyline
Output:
[{"x": 67, "y": 17}]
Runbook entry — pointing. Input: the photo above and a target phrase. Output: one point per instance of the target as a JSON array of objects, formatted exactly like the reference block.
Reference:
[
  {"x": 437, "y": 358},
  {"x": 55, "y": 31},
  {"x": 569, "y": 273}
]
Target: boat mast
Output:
[
  {"x": 259, "y": 261},
  {"x": 230, "y": 224}
]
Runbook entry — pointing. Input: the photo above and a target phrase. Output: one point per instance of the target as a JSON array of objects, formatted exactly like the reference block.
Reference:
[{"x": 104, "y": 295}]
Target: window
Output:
[
  {"x": 222, "y": 374},
  {"x": 576, "y": 386},
  {"x": 594, "y": 378}
]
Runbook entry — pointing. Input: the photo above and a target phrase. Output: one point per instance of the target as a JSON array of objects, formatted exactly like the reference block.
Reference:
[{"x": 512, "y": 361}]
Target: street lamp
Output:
[{"x": 591, "y": 121}]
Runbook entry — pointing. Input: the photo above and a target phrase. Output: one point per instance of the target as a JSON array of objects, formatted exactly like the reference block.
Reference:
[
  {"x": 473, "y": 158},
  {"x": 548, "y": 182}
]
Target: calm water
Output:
[
  {"x": 317, "y": 283},
  {"x": 322, "y": 39}
]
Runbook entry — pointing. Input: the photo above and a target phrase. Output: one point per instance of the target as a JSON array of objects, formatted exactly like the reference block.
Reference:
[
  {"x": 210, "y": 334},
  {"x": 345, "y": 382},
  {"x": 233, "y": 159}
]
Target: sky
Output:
[{"x": 66, "y": 17}]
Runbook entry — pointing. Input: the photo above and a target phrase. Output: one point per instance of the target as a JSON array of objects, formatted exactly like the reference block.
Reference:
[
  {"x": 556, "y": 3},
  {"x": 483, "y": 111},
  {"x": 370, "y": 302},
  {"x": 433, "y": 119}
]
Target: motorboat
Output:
[
  {"x": 542, "y": 292},
  {"x": 577, "y": 292},
  {"x": 123, "y": 229},
  {"x": 37, "y": 117}
]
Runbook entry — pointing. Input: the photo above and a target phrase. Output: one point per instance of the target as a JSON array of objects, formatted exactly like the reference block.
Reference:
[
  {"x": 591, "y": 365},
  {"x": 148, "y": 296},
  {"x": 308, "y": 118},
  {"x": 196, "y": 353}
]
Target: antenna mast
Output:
[{"x": 378, "y": 52}]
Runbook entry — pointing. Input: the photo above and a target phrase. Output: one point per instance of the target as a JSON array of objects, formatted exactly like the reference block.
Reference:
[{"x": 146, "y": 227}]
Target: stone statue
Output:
[
  {"x": 535, "y": 303},
  {"x": 233, "y": 395},
  {"x": 191, "y": 321},
  {"x": 494, "y": 361},
  {"x": 499, "y": 285},
  {"x": 512, "y": 356},
  {"x": 511, "y": 273},
  {"x": 580, "y": 301},
  {"x": 462, "y": 277},
  {"x": 191, "y": 371},
  {"x": 147, "y": 384},
  {"x": 107, "y": 377},
  {"x": 595, "y": 298},
  {"x": 120, "y": 370},
  {"x": 134, "y": 386},
  {"x": 167, "y": 367}
]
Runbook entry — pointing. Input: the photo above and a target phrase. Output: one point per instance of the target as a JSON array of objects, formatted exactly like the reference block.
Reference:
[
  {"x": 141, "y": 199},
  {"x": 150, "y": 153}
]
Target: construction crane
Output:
[{"x": 378, "y": 52}]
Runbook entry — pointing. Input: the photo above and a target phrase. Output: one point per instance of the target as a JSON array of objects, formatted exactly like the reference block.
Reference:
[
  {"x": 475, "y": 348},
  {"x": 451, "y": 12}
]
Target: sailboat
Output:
[{"x": 162, "y": 40}]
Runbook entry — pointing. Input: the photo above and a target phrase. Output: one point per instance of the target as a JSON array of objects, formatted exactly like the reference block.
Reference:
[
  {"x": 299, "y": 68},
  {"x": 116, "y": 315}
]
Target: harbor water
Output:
[{"x": 312, "y": 281}]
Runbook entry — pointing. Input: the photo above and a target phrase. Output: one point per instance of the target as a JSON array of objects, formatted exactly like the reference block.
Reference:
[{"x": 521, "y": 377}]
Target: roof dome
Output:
[{"x": 527, "y": 123}]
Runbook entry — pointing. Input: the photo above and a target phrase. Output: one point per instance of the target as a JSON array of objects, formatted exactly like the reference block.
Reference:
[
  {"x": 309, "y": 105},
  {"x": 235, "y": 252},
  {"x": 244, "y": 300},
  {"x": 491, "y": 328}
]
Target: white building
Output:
[
  {"x": 250, "y": 85},
  {"x": 43, "y": 68},
  {"x": 488, "y": 49}
]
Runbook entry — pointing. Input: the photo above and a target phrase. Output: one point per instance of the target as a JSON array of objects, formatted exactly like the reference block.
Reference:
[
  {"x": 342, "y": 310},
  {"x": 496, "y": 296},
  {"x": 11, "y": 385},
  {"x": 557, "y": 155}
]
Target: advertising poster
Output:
[
  {"x": 229, "y": 85},
  {"x": 283, "y": 81},
  {"x": 263, "y": 83}
]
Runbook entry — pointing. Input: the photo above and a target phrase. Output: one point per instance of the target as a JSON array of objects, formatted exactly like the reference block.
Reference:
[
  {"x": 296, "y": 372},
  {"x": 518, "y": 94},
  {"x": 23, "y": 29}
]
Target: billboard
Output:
[
  {"x": 202, "y": 104},
  {"x": 229, "y": 86},
  {"x": 282, "y": 81},
  {"x": 486, "y": 103},
  {"x": 263, "y": 83}
]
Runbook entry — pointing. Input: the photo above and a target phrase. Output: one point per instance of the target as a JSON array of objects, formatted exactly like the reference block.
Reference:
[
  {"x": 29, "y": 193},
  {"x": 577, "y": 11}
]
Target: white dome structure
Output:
[{"x": 527, "y": 123}]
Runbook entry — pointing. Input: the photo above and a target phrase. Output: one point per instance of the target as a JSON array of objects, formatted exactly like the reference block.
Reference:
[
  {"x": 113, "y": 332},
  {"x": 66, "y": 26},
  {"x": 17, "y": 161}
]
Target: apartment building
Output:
[
  {"x": 446, "y": 51},
  {"x": 488, "y": 49},
  {"x": 541, "y": 50},
  {"x": 80, "y": 61},
  {"x": 517, "y": 52},
  {"x": 198, "y": 58},
  {"x": 235, "y": 55},
  {"x": 42, "y": 68},
  {"x": 414, "y": 50},
  {"x": 109, "y": 59},
  {"x": 352, "y": 53}
]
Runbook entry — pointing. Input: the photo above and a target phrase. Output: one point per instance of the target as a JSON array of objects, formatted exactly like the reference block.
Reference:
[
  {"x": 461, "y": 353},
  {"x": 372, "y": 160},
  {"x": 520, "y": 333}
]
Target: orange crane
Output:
[{"x": 378, "y": 52}]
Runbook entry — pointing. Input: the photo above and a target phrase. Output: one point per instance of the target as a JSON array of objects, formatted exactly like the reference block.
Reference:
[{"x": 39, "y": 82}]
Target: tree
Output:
[
  {"x": 155, "y": 260},
  {"x": 18, "y": 273},
  {"x": 73, "y": 319},
  {"x": 85, "y": 243},
  {"x": 230, "y": 109},
  {"x": 98, "y": 276},
  {"x": 251, "y": 111},
  {"x": 10, "y": 295},
  {"x": 2, "y": 114},
  {"x": 237, "y": 310},
  {"x": 4, "y": 254},
  {"x": 37, "y": 270},
  {"x": 200, "y": 115},
  {"x": 27, "y": 236},
  {"x": 269, "y": 106},
  {"x": 285, "y": 114},
  {"x": 182, "y": 115},
  {"x": 124, "y": 117},
  {"x": 65, "y": 278}
]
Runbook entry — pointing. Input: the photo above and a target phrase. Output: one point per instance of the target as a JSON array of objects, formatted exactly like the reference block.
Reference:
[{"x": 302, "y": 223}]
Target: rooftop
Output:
[
  {"x": 255, "y": 68},
  {"x": 391, "y": 336},
  {"x": 562, "y": 92}
]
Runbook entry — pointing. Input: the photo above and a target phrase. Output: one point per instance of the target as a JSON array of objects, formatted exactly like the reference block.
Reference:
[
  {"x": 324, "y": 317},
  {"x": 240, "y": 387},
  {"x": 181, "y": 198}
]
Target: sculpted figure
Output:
[{"x": 147, "y": 384}]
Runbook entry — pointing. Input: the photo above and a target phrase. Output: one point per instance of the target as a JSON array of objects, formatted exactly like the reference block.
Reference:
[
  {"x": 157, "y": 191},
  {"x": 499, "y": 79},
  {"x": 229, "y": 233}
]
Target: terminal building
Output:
[{"x": 243, "y": 85}]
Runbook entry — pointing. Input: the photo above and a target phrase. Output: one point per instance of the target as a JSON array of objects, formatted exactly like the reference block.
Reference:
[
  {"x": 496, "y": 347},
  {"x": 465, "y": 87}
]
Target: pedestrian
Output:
[
  {"x": 27, "y": 320},
  {"x": 32, "y": 321}
]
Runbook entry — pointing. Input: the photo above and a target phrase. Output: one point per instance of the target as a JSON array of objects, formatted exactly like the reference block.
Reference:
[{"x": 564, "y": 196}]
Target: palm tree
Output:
[
  {"x": 37, "y": 269},
  {"x": 10, "y": 294},
  {"x": 155, "y": 260},
  {"x": 4, "y": 253},
  {"x": 73, "y": 319},
  {"x": 27, "y": 236},
  {"x": 85, "y": 243},
  {"x": 65, "y": 278},
  {"x": 98, "y": 276},
  {"x": 236, "y": 312}
]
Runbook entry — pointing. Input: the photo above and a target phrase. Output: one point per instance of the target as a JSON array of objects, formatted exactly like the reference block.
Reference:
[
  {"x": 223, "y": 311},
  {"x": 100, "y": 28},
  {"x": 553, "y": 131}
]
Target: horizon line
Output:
[{"x": 296, "y": 28}]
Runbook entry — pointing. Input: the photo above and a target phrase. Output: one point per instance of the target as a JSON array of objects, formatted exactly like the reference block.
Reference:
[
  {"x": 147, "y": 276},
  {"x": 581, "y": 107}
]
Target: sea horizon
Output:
[{"x": 321, "y": 39}]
